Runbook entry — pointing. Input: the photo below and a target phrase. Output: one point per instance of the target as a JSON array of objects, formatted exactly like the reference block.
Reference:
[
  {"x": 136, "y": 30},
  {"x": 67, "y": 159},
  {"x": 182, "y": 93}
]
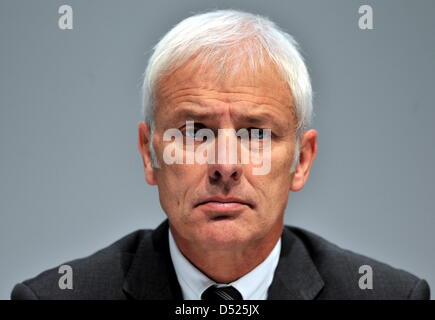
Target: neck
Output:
[{"x": 228, "y": 265}]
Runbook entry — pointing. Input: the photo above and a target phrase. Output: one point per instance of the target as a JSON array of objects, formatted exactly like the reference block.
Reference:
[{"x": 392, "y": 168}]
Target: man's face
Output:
[{"x": 221, "y": 206}]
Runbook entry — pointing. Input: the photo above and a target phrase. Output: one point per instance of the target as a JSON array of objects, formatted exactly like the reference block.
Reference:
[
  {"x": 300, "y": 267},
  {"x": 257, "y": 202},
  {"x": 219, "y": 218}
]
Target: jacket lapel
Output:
[
  {"x": 151, "y": 275},
  {"x": 296, "y": 277}
]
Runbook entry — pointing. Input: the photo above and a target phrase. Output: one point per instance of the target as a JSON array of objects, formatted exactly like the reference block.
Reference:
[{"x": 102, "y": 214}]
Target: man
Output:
[{"x": 225, "y": 238}]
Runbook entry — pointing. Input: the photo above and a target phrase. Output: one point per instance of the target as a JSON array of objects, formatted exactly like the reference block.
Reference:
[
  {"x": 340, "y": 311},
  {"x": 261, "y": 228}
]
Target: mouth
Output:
[{"x": 219, "y": 208}]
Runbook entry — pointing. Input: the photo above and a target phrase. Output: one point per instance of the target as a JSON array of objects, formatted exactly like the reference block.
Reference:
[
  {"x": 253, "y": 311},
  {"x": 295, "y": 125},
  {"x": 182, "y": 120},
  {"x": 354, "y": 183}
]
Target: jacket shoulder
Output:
[
  {"x": 98, "y": 276},
  {"x": 342, "y": 271}
]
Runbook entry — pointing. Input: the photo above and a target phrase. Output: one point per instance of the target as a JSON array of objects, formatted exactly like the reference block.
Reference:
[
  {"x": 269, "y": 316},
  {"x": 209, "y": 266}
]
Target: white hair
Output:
[{"x": 219, "y": 38}]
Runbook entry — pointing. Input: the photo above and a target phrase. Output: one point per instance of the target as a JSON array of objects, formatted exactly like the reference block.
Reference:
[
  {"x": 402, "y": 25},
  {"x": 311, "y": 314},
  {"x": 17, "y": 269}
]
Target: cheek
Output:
[
  {"x": 283, "y": 153},
  {"x": 274, "y": 186},
  {"x": 280, "y": 164},
  {"x": 177, "y": 184}
]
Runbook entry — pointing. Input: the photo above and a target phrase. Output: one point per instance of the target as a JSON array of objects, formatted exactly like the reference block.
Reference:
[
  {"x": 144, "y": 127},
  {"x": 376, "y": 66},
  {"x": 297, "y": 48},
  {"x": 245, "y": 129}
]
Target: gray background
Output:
[{"x": 71, "y": 178}]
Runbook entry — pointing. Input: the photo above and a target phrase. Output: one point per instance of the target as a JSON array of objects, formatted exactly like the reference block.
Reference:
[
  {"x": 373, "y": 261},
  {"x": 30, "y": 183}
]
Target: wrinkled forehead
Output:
[{"x": 226, "y": 76}]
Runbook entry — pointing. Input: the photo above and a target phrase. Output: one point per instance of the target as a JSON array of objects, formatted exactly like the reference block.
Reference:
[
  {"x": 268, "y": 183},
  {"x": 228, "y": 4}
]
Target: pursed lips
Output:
[{"x": 223, "y": 205}]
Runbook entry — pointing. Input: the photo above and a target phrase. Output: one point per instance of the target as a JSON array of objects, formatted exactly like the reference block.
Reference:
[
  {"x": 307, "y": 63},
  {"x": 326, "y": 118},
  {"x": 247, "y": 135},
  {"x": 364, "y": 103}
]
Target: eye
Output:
[
  {"x": 191, "y": 132},
  {"x": 257, "y": 133}
]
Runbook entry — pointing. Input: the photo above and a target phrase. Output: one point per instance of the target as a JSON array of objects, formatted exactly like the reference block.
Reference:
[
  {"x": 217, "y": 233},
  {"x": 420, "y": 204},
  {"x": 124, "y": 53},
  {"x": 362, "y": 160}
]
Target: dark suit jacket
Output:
[{"x": 139, "y": 266}]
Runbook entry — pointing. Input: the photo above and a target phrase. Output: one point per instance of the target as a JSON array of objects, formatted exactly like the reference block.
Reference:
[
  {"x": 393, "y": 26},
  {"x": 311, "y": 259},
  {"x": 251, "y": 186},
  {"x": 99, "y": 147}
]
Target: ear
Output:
[
  {"x": 307, "y": 155},
  {"x": 144, "y": 149}
]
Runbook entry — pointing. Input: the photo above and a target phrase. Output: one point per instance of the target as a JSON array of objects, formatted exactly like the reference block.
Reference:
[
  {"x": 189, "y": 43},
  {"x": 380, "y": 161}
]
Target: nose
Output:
[
  {"x": 227, "y": 168},
  {"x": 227, "y": 174}
]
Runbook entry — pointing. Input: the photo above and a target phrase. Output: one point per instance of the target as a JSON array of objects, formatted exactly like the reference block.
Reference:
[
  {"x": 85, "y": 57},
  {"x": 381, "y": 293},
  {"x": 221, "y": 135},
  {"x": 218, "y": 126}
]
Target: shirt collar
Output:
[{"x": 252, "y": 286}]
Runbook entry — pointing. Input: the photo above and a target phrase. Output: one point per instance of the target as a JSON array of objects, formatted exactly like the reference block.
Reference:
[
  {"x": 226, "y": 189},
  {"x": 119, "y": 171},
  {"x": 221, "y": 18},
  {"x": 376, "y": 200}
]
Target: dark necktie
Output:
[{"x": 214, "y": 293}]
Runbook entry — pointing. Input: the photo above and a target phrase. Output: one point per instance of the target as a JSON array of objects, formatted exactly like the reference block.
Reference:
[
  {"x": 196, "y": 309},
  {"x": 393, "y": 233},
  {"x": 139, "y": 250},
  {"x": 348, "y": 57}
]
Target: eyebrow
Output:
[
  {"x": 261, "y": 118},
  {"x": 193, "y": 115}
]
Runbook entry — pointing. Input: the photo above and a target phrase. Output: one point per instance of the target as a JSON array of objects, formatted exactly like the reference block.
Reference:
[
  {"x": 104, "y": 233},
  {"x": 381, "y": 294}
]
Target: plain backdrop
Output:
[{"x": 71, "y": 177}]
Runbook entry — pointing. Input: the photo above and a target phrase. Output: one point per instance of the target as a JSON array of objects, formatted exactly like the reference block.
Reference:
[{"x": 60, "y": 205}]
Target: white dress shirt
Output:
[{"x": 252, "y": 286}]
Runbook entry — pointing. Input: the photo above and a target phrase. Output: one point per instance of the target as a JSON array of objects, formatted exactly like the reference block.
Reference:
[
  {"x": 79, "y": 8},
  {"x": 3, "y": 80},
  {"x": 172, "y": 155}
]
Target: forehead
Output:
[{"x": 237, "y": 84}]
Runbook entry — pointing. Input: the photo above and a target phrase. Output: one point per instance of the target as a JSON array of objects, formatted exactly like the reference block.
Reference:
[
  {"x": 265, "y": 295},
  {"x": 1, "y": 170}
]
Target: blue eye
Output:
[{"x": 257, "y": 133}]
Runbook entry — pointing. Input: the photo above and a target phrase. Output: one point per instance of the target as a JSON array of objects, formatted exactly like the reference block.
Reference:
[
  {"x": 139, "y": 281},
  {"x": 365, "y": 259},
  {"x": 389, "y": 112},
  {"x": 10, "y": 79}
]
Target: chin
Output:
[{"x": 223, "y": 233}]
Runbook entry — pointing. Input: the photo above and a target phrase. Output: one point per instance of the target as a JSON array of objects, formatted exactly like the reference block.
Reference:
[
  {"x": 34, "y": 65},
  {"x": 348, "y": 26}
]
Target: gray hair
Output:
[{"x": 218, "y": 37}]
